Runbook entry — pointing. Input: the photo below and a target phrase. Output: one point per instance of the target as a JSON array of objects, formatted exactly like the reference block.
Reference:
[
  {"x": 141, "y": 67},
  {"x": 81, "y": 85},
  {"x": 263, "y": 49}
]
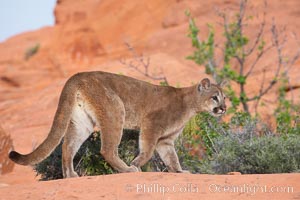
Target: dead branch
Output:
[
  {"x": 278, "y": 45},
  {"x": 260, "y": 90},
  {"x": 139, "y": 61},
  {"x": 291, "y": 87},
  {"x": 260, "y": 32},
  {"x": 258, "y": 57},
  {"x": 297, "y": 54}
]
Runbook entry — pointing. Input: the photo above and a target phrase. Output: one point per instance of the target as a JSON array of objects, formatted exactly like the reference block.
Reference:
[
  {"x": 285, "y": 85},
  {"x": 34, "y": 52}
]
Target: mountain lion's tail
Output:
[{"x": 58, "y": 129}]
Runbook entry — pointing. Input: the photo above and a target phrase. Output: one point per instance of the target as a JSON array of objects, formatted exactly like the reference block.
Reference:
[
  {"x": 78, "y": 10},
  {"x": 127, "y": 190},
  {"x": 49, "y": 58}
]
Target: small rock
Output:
[{"x": 234, "y": 173}]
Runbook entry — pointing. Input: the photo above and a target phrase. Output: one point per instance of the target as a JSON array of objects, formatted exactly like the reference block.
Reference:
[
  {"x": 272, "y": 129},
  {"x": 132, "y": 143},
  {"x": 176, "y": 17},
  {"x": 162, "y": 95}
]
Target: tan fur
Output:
[{"x": 114, "y": 102}]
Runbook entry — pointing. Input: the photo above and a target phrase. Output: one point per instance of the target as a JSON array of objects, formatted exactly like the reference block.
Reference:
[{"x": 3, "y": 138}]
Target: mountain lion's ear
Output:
[
  {"x": 223, "y": 84},
  {"x": 204, "y": 84}
]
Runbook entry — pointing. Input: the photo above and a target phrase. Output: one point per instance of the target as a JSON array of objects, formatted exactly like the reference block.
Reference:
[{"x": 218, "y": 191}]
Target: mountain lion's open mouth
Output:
[{"x": 218, "y": 111}]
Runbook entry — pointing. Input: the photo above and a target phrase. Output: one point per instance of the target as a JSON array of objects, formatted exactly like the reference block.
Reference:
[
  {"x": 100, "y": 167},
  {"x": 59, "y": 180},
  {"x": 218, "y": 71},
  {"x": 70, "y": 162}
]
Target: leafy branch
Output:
[{"x": 237, "y": 51}]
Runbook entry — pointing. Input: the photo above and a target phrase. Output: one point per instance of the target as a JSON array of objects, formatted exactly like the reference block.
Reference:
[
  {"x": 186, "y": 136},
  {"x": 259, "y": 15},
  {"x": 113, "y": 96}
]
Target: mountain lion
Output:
[{"x": 114, "y": 102}]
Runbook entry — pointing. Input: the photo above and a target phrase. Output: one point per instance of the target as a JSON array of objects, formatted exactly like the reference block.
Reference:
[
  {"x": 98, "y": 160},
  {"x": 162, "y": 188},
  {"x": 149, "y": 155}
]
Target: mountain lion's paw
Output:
[
  {"x": 184, "y": 171},
  {"x": 133, "y": 168}
]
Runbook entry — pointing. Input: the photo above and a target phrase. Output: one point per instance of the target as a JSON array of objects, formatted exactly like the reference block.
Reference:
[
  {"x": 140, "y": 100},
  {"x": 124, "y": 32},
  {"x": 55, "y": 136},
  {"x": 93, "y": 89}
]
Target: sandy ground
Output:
[{"x": 167, "y": 186}]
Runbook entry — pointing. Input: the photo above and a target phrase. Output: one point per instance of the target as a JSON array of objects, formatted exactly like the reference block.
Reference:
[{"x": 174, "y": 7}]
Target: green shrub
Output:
[
  {"x": 287, "y": 112},
  {"x": 197, "y": 140},
  {"x": 189, "y": 158},
  {"x": 252, "y": 154},
  {"x": 245, "y": 145},
  {"x": 31, "y": 51}
]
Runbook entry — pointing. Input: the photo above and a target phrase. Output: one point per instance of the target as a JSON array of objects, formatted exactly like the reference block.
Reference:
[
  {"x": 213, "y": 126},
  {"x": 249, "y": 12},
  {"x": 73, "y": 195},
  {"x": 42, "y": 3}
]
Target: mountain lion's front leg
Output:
[
  {"x": 147, "y": 143},
  {"x": 165, "y": 149}
]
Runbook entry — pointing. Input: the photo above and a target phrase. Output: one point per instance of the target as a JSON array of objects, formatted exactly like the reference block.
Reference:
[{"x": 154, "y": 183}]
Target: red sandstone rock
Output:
[{"x": 6, "y": 146}]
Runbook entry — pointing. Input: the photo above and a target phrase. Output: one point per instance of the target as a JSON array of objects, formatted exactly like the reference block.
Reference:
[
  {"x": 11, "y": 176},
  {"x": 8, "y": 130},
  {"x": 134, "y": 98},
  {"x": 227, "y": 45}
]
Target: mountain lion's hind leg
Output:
[
  {"x": 80, "y": 128},
  {"x": 72, "y": 143}
]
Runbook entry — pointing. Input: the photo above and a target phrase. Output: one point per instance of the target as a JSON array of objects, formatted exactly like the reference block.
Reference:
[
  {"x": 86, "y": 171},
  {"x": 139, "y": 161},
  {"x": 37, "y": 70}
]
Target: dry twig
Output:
[{"x": 139, "y": 61}]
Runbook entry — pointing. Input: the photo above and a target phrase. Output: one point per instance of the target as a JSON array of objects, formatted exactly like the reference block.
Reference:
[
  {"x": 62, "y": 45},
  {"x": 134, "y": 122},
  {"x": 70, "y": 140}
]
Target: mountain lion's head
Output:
[{"x": 212, "y": 97}]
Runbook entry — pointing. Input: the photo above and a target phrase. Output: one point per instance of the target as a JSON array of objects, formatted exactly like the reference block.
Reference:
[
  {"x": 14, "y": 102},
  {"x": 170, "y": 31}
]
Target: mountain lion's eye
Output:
[{"x": 215, "y": 98}]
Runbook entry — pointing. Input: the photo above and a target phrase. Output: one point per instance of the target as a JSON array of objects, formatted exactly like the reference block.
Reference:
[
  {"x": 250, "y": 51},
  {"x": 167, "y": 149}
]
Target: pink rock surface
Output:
[{"x": 90, "y": 35}]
